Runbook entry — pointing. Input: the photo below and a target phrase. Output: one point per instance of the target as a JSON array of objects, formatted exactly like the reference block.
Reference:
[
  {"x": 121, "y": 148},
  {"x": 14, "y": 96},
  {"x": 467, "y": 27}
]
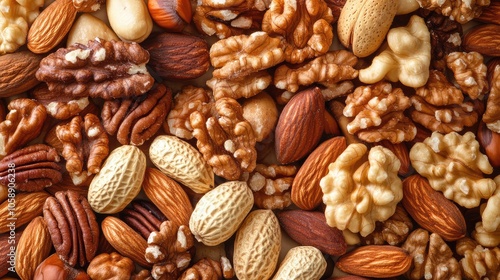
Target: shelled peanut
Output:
[{"x": 311, "y": 139}]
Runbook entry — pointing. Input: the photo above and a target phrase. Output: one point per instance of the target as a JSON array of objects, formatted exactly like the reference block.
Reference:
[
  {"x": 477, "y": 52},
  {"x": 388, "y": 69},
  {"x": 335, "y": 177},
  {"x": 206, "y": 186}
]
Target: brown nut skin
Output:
[
  {"x": 173, "y": 15},
  {"x": 489, "y": 140},
  {"x": 53, "y": 268},
  {"x": 110, "y": 266}
]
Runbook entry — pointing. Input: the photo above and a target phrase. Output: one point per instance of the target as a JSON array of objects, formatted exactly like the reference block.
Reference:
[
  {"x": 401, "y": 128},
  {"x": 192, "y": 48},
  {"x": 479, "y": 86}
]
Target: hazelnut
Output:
[
  {"x": 173, "y": 15},
  {"x": 261, "y": 112},
  {"x": 53, "y": 268}
]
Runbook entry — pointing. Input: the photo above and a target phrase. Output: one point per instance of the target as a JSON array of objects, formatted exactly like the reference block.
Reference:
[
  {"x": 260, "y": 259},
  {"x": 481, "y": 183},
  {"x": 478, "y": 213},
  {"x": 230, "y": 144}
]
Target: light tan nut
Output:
[
  {"x": 486, "y": 238},
  {"x": 439, "y": 91},
  {"x": 262, "y": 114},
  {"x": 491, "y": 116},
  {"x": 305, "y": 262},
  {"x": 359, "y": 192},
  {"x": 490, "y": 213},
  {"x": 129, "y": 19},
  {"x": 220, "y": 212},
  {"x": 454, "y": 165},
  {"x": 304, "y": 25},
  {"x": 245, "y": 86},
  {"x": 119, "y": 180},
  {"x": 406, "y": 59},
  {"x": 88, "y": 27},
  {"x": 181, "y": 162},
  {"x": 257, "y": 245},
  {"x": 461, "y": 11},
  {"x": 470, "y": 72},
  {"x": 478, "y": 262}
]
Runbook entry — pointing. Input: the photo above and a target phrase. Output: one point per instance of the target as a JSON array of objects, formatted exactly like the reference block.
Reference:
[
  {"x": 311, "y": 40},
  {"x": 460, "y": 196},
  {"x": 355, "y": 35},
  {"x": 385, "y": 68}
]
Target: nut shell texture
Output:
[
  {"x": 181, "y": 162},
  {"x": 220, "y": 212},
  {"x": 119, "y": 180},
  {"x": 302, "y": 262},
  {"x": 257, "y": 246}
]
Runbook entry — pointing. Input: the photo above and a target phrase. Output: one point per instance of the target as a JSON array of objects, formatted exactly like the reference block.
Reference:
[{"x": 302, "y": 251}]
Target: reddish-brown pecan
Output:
[
  {"x": 105, "y": 69},
  {"x": 143, "y": 217},
  {"x": 135, "y": 120},
  {"x": 73, "y": 227},
  {"x": 32, "y": 168}
]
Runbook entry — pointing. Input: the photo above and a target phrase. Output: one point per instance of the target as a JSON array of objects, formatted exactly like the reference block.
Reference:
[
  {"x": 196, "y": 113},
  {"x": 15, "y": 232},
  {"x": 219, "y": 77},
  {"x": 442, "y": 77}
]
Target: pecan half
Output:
[
  {"x": 73, "y": 227},
  {"x": 143, "y": 216},
  {"x": 135, "y": 120},
  {"x": 34, "y": 168},
  {"x": 105, "y": 69}
]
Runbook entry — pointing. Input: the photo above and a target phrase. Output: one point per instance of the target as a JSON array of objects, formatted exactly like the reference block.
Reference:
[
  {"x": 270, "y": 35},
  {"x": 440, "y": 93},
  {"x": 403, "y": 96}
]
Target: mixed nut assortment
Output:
[{"x": 250, "y": 139}]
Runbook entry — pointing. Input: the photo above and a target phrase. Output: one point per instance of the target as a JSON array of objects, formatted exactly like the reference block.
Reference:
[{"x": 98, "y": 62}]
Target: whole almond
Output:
[
  {"x": 484, "y": 39},
  {"x": 490, "y": 14},
  {"x": 18, "y": 72},
  {"x": 181, "y": 162},
  {"x": 21, "y": 209},
  {"x": 125, "y": 240},
  {"x": 51, "y": 26},
  {"x": 168, "y": 196},
  {"x": 310, "y": 228},
  {"x": 302, "y": 262},
  {"x": 220, "y": 212},
  {"x": 257, "y": 246},
  {"x": 8, "y": 243},
  {"x": 306, "y": 192},
  {"x": 377, "y": 261},
  {"x": 32, "y": 248},
  {"x": 431, "y": 209},
  {"x": 300, "y": 125}
]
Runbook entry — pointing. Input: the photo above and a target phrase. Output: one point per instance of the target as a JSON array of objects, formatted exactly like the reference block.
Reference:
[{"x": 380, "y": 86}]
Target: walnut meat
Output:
[
  {"x": 304, "y": 24},
  {"x": 58, "y": 105},
  {"x": 486, "y": 238},
  {"x": 392, "y": 231},
  {"x": 490, "y": 212},
  {"x": 135, "y": 120},
  {"x": 331, "y": 68},
  {"x": 432, "y": 258},
  {"x": 22, "y": 124},
  {"x": 359, "y": 192},
  {"x": 461, "y": 11},
  {"x": 111, "y": 266},
  {"x": 470, "y": 72},
  {"x": 225, "y": 139},
  {"x": 241, "y": 87},
  {"x": 377, "y": 111},
  {"x": 454, "y": 165},
  {"x": 105, "y": 69},
  {"x": 439, "y": 91},
  {"x": 491, "y": 116},
  {"x": 207, "y": 268},
  {"x": 478, "y": 262}
]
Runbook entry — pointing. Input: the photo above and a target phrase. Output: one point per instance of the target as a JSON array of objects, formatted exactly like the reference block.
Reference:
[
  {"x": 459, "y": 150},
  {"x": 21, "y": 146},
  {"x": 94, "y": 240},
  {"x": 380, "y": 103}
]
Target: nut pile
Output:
[{"x": 258, "y": 139}]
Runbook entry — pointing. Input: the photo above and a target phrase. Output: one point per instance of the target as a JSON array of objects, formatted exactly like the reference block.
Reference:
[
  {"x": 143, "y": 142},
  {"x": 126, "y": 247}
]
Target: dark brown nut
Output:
[
  {"x": 18, "y": 72},
  {"x": 7, "y": 259},
  {"x": 22, "y": 124},
  {"x": 168, "y": 250},
  {"x": 110, "y": 266},
  {"x": 207, "y": 268},
  {"x": 392, "y": 231},
  {"x": 58, "y": 105},
  {"x": 85, "y": 146},
  {"x": 143, "y": 217},
  {"x": 225, "y": 139},
  {"x": 53, "y": 268},
  {"x": 135, "y": 120},
  {"x": 73, "y": 227},
  {"x": 105, "y": 69},
  {"x": 336, "y": 6},
  {"x": 33, "y": 168},
  {"x": 188, "y": 56}
]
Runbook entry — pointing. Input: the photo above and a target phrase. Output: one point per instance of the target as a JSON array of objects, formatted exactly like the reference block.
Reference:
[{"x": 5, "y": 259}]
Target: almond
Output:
[
  {"x": 484, "y": 39},
  {"x": 168, "y": 196},
  {"x": 22, "y": 209},
  {"x": 490, "y": 14},
  {"x": 32, "y": 248},
  {"x": 306, "y": 192},
  {"x": 51, "y": 26},
  {"x": 377, "y": 261},
  {"x": 300, "y": 125},
  {"x": 431, "y": 209},
  {"x": 309, "y": 228},
  {"x": 8, "y": 243},
  {"x": 18, "y": 72}
]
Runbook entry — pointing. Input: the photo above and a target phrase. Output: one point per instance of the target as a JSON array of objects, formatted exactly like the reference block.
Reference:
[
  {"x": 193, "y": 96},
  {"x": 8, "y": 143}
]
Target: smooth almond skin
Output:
[
  {"x": 181, "y": 162},
  {"x": 32, "y": 248},
  {"x": 51, "y": 26},
  {"x": 28, "y": 205},
  {"x": 18, "y": 72},
  {"x": 220, "y": 212},
  {"x": 129, "y": 19},
  {"x": 432, "y": 210},
  {"x": 302, "y": 262},
  {"x": 363, "y": 24},
  {"x": 257, "y": 246},
  {"x": 310, "y": 228},
  {"x": 168, "y": 196},
  {"x": 306, "y": 192},
  {"x": 377, "y": 261},
  {"x": 119, "y": 180},
  {"x": 300, "y": 125},
  {"x": 125, "y": 240},
  {"x": 88, "y": 27}
]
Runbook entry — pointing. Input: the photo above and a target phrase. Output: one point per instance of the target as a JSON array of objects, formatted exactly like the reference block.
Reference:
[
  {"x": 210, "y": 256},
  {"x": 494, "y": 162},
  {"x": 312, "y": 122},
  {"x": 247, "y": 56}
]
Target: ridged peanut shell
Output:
[
  {"x": 181, "y": 162},
  {"x": 302, "y": 262},
  {"x": 125, "y": 240},
  {"x": 24, "y": 208},
  {"x": 168, "y": 196},
  {"x": 220, "y": 212},
  {"x": 32, "y": 248},
  {"x": 119, "y": 180},
  {"x": 257, "y": 246}
]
